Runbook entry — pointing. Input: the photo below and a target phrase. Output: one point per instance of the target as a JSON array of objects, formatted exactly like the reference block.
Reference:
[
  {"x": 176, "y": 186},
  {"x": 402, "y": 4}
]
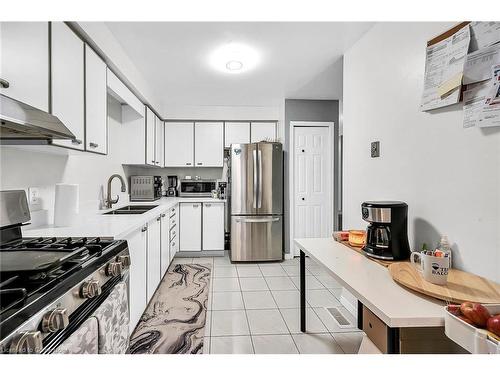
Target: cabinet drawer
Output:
[
  {"x": 375, "y": 329},
  {"x": 174, "y": 245},
  {"x": 173, "y": 222},
  {"x": 173, "y": 233}
]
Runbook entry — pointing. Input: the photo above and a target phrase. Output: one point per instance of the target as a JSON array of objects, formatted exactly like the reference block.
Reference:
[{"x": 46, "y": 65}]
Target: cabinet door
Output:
[
  {"x": 159, "y": 139},
  {"x": 137, "y": 245},
  {"x": 261, "y": 131},
  {"x": 179, "y": 144},
  {"x": 208, "y": 144},
  {"x": 154, "y": 256},
  {"x": 236, "y": 132},
  {"x": 67, "y": 70},
  {"x": 190, "y": 226},
  {"x": 213, "y": 226},
  {"x": 165, "y": 244},
  {"x": 150, "y": 137},
  {"x": 96, "y": 116},
  {"x": 24, "y": 61}
]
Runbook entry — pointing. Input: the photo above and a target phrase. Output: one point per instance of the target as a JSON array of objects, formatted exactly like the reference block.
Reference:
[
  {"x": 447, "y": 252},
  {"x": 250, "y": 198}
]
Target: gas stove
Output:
[{"x": 46, "y": 283}]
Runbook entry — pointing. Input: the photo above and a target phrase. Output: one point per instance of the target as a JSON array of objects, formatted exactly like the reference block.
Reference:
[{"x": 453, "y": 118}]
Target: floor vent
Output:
[{"x": 337, "y": 315}]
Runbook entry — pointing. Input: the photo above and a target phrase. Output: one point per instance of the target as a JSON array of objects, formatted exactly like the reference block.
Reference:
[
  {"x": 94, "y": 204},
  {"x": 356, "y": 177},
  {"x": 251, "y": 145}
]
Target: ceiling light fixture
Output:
[{"x": 234, "y": 58}]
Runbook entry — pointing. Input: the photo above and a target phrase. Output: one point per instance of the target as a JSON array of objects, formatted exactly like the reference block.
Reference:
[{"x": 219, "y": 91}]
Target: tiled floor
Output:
[{"x": 254, "y": 308}]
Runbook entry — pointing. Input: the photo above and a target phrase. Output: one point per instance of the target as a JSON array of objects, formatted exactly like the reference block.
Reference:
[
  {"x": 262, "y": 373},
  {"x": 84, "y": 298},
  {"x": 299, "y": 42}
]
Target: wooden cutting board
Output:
[
  {"x": 462, "y": 286},
  {"x": 385, "y": 263}
]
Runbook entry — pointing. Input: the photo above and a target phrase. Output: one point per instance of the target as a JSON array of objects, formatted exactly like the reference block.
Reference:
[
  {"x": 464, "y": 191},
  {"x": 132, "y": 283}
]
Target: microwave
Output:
[
  {"x": 145, "y": 188},
  {"x": 197, "y": 188}
]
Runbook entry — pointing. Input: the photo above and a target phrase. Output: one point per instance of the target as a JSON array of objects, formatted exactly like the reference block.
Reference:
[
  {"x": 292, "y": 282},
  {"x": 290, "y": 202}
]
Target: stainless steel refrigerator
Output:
[{"x": 256, "y": 201}]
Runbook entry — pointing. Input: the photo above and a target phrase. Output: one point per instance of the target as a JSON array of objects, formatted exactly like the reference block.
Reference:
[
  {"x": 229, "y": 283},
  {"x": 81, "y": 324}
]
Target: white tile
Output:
[
  {"x": 178, "y": 260},
  {"x": 287, "y": 299},
  {"x": 290, "y": 262},
  {"x": 332, "y": 324},
  {"x": 311, "y": 282},
  {"x": 337, "y": 292},
  {"x": 253, "y": 271},
  {"x": 229, "y": 323},
  {"x": 253, "y": 283},
  {"x": 310, "y": 262},
  {"x": 259, "y": 300},
  {"x": 203, "y": 260},
  {"x": 317, "y": 270},
  {"x": 206, "y": 345},
  {"x": 225, "y": 271},
  {"x": 272, "y": 270},
  {"x": 321, "y": 298},
  {"x": 280, "y": 283},
  {"x": 208, "y": 323},
  {"x": 226, "y": 285},
  {"x": 349, "y": 341},
  {"x": 316, "y": 344},
  {"x": 274, "y": 344},
  {"x": 292, "y": 320},
  {"x": 222, "y": 261},
  {"x": 328, "y": 281},
  {"x": 263, "y": 322},
  {"x": 231, "y": 345},
  {"x": 227, "y": 301},
  {"x": 294, "y": 270}
]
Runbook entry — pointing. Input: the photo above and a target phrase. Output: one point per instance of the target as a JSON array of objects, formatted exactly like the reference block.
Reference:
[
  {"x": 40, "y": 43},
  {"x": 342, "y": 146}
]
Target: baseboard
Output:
[{"x": 199, "y": 254}]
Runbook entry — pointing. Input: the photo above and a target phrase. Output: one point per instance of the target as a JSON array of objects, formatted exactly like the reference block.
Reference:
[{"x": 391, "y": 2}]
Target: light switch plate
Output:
[
  {"x": 33, "y": 195},
  {"x": 375, "y": 149}
]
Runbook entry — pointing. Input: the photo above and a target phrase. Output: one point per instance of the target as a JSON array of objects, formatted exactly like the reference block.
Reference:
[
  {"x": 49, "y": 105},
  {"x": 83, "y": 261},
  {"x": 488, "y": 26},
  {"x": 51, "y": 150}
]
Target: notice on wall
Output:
[
  {"x": 474, "y": 99},
  {"x": 490, "y": 115},
  {"x": 444, "y": 66},
  {"x": 484, "y": 34},
  {"x": 478, "y": 64}
]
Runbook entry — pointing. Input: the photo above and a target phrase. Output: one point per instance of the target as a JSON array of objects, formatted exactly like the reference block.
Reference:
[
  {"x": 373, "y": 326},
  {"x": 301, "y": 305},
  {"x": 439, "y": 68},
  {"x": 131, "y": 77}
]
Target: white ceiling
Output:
[{"x": 298, "y": 60}]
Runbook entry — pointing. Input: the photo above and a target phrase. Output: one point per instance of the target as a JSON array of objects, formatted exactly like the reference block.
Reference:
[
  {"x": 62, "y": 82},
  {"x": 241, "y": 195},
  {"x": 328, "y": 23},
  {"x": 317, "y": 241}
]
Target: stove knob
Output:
[
  {"x": 90, "y": 289},
  {"x": 114, "y": 269},
  {"x": 55, "y": 320},
  {"x": 124, "y": 260},
  {"x": 28, "y": 342}
]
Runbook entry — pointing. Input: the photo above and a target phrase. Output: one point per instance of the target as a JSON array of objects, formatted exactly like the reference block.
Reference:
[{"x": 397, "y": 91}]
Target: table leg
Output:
[{"x": 302, "y": 291}]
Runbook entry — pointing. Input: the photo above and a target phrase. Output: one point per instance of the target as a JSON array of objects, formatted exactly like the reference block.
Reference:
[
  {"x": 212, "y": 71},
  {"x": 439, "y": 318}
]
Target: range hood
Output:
[{"x": 23, "y": 124}]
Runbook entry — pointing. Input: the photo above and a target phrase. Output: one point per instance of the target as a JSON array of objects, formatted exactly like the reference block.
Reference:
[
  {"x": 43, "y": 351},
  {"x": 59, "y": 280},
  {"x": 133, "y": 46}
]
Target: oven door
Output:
[{"x": 83, "y": 341}]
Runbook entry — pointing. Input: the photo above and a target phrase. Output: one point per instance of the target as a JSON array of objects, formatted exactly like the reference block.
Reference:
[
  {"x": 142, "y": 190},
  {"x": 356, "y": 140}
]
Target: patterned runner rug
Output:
[{"x": 174, "y": 321}]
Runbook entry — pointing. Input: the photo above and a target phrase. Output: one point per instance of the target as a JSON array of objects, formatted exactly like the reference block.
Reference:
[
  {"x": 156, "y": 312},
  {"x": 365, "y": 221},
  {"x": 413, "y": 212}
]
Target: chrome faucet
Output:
[{"x": 109, "y": 201}]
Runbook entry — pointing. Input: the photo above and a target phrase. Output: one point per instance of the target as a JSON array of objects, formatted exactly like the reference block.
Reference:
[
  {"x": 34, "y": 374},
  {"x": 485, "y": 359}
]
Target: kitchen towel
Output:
[{"x": 65, "y": 205}]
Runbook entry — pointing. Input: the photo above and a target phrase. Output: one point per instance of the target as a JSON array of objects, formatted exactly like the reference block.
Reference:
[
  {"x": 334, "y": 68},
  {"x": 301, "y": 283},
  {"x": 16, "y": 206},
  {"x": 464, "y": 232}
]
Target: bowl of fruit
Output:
[{"x": 474, "y": 326}]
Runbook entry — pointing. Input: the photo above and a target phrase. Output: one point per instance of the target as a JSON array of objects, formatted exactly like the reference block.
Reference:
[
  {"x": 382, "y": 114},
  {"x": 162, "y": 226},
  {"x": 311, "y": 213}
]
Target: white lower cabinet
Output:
[
  {"x": 190, "y": 226},
  {"x": 165, "y": 243},
  {"x": 154, "y": 256},
  {"x": 213, "y": 226},
  {"x": 137, "y": 245}
]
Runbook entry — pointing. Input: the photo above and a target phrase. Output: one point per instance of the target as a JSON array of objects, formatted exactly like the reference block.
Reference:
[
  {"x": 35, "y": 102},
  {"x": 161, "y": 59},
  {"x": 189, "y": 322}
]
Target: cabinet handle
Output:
[
  {"x": 94, "y": 145},
  {"x": 157, "y": 162},
  {"x": 144, "y": 229},
  {"x": 5, "y": 84},
  {"x": 76, "y": 141},
  {"x": 152, "y": 161},
  {"x": 158, "y": 218},
  {"x": 188, "y": 163},
  {"x": 199, "y": 163},
  {"x": 162, "y": 215},
  {"x": 208, "y": 205},
  {"x": 195, "y": 206}
]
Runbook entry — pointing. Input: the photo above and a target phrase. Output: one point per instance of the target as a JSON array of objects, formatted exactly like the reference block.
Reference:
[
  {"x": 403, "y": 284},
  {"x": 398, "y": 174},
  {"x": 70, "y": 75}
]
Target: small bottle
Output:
[{"x": 444, "y": 247}]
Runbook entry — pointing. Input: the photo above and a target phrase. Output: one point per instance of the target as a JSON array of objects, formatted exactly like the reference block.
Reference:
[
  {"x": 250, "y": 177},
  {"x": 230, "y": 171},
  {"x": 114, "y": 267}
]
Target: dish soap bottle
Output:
[{"x": 444, "y": 247}]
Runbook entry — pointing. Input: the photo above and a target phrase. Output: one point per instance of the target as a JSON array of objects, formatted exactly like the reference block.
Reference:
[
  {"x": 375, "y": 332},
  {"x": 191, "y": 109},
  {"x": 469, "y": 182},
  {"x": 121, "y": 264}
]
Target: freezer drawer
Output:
[{"x": 256, "y": 238}]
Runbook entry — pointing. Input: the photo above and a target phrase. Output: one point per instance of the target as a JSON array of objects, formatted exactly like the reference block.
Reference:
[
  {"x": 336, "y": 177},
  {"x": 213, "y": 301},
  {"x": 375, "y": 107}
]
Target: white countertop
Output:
[
  {"x": 95, "y": 224},
  {"x": 372, "y": 284}
]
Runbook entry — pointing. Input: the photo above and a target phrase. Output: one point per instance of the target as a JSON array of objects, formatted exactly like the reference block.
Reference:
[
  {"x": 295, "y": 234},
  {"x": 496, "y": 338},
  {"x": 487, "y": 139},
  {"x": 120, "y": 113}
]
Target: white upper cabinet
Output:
[
  {"x": 68, "y": 82},
  {"x": 159, "y": 140},
  {"x": 179, "y": 144},
  {"x": 236, "y": 132},
  {"x": 209, "y": 144},
  {"x": 150, "y": 136},
  {"x": 261, "y": 131},
  {"x": 24, "y": 62},
  {"x": 96, "y": 117}
]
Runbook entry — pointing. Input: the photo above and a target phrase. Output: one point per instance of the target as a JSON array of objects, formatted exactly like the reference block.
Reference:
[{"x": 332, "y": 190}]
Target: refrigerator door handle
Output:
[
  {"x": 257, "y": 220},
  {"x": 255, "y": 178},
  {"x": 259, "y": 201}
]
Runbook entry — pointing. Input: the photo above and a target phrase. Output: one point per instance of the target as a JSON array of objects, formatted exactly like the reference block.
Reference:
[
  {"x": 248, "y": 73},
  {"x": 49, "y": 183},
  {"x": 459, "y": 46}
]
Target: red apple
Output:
[
  {"x": 466, "y": 320},
  {"x": 493, "y": 324},
  {"x": 476, "y": 312},
  {"x": 454, "y": 309}
]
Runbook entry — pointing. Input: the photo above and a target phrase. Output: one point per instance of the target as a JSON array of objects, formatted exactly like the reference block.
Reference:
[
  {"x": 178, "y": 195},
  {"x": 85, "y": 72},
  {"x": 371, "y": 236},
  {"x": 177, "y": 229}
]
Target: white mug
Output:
[{"x": 434, "y": 269}]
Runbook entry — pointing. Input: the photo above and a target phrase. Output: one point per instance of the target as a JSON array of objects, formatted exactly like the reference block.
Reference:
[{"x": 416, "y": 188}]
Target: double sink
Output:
[{"x": 131, "y": 210}]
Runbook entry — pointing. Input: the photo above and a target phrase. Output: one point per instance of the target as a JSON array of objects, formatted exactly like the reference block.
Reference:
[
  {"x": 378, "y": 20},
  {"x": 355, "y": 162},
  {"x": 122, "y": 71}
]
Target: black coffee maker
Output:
[
  {"x": 172, "y": 186},
  {"x": 386, "y": 235}
]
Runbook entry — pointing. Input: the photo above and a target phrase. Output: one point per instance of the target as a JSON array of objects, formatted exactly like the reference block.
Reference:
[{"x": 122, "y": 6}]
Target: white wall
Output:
[{"x": 449, "y": 176}]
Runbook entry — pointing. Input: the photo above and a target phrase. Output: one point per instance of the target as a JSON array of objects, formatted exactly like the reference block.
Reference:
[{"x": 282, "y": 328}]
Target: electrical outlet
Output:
[
  {"x": 375, "y": 149},
  {"x": 34, "y": 195}
]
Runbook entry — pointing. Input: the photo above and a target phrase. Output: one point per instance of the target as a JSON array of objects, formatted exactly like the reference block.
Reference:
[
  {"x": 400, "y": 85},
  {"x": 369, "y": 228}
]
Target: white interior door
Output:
[{"x": 312, "y": 182}]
